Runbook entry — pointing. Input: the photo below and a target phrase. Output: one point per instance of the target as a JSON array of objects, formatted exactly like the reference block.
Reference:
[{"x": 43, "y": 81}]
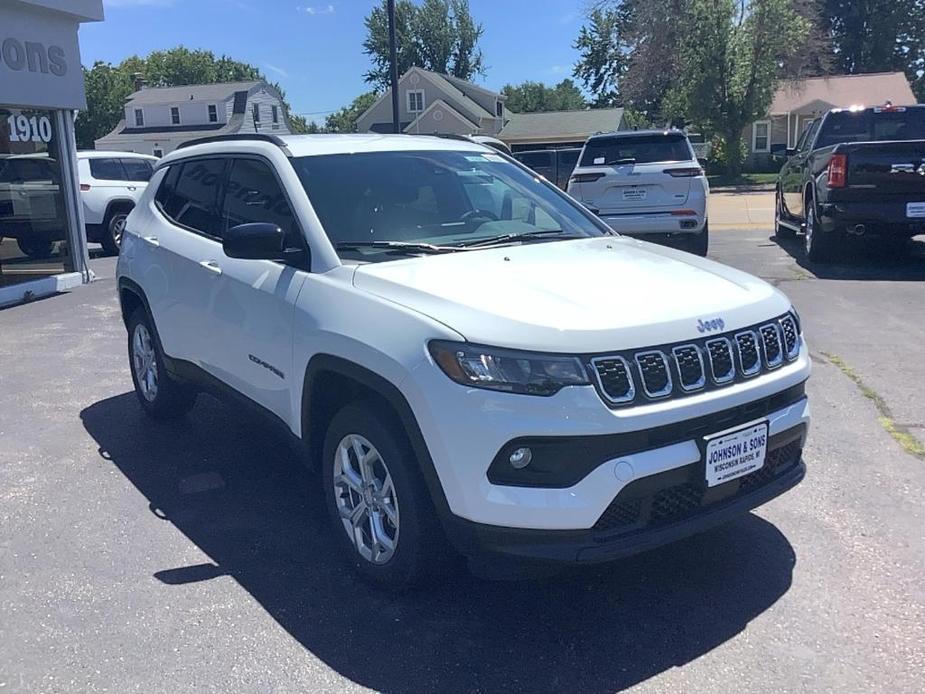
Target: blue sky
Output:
[{"x": 313, "y": 48}]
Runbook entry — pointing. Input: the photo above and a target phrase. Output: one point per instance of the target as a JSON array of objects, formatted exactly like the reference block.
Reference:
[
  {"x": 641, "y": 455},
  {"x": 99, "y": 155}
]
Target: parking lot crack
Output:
[{"x": 899, "y": 432}]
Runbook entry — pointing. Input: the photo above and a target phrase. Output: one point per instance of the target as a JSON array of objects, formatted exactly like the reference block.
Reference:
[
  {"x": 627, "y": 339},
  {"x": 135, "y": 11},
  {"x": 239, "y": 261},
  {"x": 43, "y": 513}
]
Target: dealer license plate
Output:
[
  {"x": 633, "y": 194},
  {"x": 736, "y": 453},
  {"x": 915, "y": 209}
]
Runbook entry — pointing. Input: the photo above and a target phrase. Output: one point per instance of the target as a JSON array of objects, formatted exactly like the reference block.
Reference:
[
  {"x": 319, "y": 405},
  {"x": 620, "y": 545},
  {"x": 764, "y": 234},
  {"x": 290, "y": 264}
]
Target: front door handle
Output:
[
  {"x": 152, "y": 240},
  {"x": 131, "y": 187},
  {"x": 212, "y": 266}
]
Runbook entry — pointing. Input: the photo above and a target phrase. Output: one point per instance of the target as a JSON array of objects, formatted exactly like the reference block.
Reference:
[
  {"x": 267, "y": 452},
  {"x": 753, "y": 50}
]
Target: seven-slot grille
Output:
[{"x": 685, "y": 368}]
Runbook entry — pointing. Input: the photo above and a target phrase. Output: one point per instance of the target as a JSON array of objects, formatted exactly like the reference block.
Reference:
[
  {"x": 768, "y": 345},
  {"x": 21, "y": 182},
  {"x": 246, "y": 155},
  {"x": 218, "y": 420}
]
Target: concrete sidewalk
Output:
[{"x": 742, "y": 210}]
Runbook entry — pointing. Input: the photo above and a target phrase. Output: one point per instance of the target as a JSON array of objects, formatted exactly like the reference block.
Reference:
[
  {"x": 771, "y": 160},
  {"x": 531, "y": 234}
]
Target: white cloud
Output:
[
  {"x": 278, "y": 70},
  {"x": 314, "y": 10}
]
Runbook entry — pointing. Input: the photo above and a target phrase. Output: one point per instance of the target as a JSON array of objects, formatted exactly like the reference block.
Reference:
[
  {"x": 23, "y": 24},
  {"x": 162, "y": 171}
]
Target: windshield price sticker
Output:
[{"x": 29, "y": 129}]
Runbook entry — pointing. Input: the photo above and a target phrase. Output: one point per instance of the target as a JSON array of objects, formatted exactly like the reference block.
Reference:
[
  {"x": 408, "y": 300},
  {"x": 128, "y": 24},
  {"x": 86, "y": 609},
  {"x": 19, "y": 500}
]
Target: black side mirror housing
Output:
[
  {"x": 782, "y": 151},
  {"x": 259, "y": 241}
]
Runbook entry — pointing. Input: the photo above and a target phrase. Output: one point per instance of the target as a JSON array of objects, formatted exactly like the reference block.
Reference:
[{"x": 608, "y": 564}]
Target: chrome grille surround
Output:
[
  {"x": 646, "y": 365},
  {"x": 667, "y": 371},
  {"x": 730, "y": 374}
]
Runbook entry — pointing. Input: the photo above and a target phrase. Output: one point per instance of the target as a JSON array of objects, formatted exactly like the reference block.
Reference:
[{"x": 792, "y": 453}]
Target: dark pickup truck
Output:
[{"x": 854, "y": 171}]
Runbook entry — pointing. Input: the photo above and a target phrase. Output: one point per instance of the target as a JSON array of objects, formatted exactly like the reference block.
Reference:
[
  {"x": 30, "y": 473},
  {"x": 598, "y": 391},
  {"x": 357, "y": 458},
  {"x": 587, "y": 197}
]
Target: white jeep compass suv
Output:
[{"x": 473, "y": 359}]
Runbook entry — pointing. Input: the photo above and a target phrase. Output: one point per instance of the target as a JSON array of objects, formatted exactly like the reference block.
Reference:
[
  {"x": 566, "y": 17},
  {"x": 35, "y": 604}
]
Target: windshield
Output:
[
  {"x": 371, "y": 203},
  {"x": 870, "y": 126},
  {"x": 635, "y": 149}
]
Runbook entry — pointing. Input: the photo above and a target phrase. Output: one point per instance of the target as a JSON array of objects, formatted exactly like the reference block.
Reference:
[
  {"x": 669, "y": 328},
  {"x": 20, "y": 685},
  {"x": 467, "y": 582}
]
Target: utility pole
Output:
[{"x": 393, "y": 67}]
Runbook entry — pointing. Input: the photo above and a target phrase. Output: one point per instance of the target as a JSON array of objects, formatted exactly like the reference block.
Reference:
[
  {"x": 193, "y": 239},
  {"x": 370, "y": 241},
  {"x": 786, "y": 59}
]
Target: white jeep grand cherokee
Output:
[{"x": 474, "y": 360}]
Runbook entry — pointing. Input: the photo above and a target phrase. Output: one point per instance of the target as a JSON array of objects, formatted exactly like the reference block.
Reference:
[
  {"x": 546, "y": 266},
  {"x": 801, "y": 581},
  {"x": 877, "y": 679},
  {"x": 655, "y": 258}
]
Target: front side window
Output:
[
  {"x": 415, "y": 100},
  {"x": 213, "y": 113},
  {"x": 451, "y": 199},
  {"x": 139, "y": 118},
  {"x": 636, "y": 149},
  {"x": 761, "y": 136},
  {"x": 188, "y": 195},
  {"x": 175, "y": 115},
  {"x": 253, "y": 194}
]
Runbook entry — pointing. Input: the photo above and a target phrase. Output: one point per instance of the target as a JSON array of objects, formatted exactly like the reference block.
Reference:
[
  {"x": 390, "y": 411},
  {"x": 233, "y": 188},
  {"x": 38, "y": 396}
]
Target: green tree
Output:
[
  {"x": 344, "y": 120},
  {"x": 530, "y": 97},
  {"x": 437, "y": 35},
  {"x": 731, "y": 58},
  {"x": 603, "y": 60},
  {"x": 108, "y": 86}
]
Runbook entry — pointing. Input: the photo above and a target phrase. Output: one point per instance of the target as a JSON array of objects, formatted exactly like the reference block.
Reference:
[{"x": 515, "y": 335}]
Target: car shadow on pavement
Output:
[
  {"x": 862, "y": 259},
  {"x": 237, "y": 493}
]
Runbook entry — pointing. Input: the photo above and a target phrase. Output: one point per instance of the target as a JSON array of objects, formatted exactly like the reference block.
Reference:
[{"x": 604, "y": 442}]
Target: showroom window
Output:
[{"x": 33, "y": 218}]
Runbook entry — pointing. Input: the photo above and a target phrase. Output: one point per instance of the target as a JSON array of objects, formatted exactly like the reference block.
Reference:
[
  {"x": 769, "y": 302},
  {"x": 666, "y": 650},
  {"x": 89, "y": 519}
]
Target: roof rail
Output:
[{"x": 237, "y": 137}]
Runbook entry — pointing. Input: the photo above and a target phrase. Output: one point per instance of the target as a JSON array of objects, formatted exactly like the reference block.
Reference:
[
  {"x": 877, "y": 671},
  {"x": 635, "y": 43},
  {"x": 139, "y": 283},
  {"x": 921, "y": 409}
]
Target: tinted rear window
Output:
[
  {"x": 534, "y": 159},
  {"x": 107, "y": 169},
  {"x": 641, "y": 149},
  {"x": 869, "y": 126},
  {"x": 137, "y": 169}
]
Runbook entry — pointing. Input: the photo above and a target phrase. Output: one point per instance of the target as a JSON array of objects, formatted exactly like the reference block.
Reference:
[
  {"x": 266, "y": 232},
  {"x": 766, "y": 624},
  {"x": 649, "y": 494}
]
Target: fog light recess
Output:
[{"x": 521, "y": 458}]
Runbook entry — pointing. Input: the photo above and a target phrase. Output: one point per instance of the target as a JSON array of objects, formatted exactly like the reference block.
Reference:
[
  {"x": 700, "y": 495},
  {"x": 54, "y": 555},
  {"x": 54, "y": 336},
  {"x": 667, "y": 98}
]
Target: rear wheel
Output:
[
  {"x": 818, "y": 245},
  {"x": 781, "y": 231},
  {"x": 113, "y": 228},
  {"x": 700, "y": 242},
  {"x": 36, "y": 248},
  {"x": 160, "y": 395},
  {"x": 380, "y": 510}
]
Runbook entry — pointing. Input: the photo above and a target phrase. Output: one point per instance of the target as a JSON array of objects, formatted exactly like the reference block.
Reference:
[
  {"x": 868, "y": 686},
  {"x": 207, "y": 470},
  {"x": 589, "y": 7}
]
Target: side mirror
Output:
[
  {"x": 782, "y": 151},
  {"x": 258, "y": 241}
]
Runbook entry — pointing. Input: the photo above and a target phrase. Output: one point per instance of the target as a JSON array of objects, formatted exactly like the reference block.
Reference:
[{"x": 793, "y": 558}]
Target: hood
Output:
[{"x": 581, "y": 296}]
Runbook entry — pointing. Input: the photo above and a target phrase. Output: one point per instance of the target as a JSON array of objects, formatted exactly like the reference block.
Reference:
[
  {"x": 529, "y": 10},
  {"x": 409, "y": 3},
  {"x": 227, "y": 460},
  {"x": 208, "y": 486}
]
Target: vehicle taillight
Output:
[
  {"x": 585, "y": 177},
  {"x": 85, "y": 187},
  {"x": 687, "y": 172},
  {"x": 838, "y": 171}
]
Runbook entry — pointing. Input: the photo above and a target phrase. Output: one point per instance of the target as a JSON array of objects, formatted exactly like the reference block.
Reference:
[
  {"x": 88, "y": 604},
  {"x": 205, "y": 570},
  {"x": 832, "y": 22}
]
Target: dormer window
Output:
[
  {"x": 213, "y": 114},
  {"x": 275, "y": 112},
  {"x": 175, "y": 115},
  {"x": 139, "y": 118},
  {"x": 415, "y": 100},
  {"x": 499, "y": 108}
]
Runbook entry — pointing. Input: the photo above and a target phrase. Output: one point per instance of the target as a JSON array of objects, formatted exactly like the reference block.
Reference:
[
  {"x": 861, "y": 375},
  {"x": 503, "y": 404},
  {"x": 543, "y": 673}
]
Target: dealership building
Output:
[{"x": 43, "y": 248}]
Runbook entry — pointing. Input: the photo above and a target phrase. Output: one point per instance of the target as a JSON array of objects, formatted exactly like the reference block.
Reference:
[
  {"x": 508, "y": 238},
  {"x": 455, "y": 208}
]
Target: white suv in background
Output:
[
  {"x": 475, "y": 362},
  {"x": 647, "y": 184},
  {"x": 111, "y": 183}
]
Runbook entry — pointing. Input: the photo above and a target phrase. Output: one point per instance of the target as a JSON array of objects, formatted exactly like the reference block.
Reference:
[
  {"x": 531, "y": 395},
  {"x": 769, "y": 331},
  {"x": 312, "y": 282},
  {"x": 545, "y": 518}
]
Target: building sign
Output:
[{"x": 39, "y": 59}]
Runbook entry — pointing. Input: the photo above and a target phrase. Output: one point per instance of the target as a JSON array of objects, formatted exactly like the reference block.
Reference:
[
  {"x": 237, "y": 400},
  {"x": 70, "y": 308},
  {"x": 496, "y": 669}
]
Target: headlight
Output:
[{"x": 530, "y": 373}]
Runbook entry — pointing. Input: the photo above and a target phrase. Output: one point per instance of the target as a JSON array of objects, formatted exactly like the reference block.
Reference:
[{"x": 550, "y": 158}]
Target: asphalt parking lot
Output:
[{"x": 195, "y": 556}]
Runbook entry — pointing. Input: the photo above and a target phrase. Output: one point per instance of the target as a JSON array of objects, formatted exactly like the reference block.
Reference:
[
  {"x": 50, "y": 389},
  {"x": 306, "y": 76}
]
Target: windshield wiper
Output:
[
  {"x": 625, "y": 160},
  {"x": 525, "y": 236},
  {"x": 398, "y": 246}
]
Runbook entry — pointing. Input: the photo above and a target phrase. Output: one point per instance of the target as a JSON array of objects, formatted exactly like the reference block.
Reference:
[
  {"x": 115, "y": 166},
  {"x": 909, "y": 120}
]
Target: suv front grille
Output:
[{"x": 686, "y": 368}]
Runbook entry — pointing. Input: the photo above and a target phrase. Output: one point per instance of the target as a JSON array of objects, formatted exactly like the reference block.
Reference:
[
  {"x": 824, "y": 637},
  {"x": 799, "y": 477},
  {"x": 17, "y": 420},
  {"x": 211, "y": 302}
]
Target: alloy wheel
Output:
[
  {"x": 810, "y": 228},
  {"x": 144, "y": 362},
  {"x": 118, "y": 228},
  {"x": 366, "y": 499}
]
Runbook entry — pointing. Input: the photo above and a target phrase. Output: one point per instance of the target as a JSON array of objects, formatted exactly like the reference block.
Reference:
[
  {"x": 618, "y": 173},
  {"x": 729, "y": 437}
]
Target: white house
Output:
[{"x": 158, "y": 119}]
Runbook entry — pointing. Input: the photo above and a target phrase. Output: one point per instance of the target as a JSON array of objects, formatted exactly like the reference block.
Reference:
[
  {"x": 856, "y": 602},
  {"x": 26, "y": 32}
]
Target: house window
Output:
[
  {"x": 256, "y": 111},
  {"x": 139, "y": 118},
  {"x": 415, "y": 100},
  {"x": 158, "y": 152},
  {"x": 175, "y": 115},
  {"x": 275, "y": 111},
  {"x": 213, "y": 114},
  {"x": 499, "y": 109},
  {"x": 761, "y": 136}
]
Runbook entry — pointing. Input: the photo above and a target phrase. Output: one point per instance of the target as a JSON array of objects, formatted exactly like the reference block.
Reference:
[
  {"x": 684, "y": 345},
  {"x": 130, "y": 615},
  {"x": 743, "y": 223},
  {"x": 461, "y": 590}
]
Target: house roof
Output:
[
  {"x": 842, "y": 91},
  {"x": 174, "y": 132},
  {"x": 560, "y": 125},
  {"x": 192, "y": 92}
]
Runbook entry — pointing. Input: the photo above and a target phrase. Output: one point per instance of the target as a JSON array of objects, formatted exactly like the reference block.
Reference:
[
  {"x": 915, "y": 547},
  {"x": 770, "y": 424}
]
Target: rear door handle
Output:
[
  {"x": 211, "y": 266},
  {"x": 131, "y": 187},
  {"x": 152, "y": 240}
]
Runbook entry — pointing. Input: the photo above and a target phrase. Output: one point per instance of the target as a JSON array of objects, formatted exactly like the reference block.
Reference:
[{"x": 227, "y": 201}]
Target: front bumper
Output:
[
  {"x": 659, "y": 510},
  {"x": 885, "y": 217}
]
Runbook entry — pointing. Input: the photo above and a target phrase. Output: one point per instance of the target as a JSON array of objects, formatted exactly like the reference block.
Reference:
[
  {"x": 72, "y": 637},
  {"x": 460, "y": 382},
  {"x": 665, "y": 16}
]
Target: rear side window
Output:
[
  {"x": 137, "y": 169},
  {"x": 635, "y": 149},
  {"x": 253, "y": 194},
  {"x": 535, "y": 159},
  {"x": 107, "y": 169},
  {"x": 188, "y": 195}
]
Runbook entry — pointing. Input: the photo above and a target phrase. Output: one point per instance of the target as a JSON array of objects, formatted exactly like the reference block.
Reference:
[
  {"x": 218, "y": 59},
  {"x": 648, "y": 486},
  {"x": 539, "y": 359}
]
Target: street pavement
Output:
[{"x": 194, "y": 556}]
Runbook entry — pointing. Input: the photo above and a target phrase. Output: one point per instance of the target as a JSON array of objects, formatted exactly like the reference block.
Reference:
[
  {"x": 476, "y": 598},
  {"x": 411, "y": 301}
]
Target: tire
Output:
[
  {"x": 700, "y": 243},
  {"x": 411, "y": 544},
  {"x": 818, "y": 246},
  {"x": 780, "y": 231},
  {"x": 160, "y": 395},
  {"x": 36, "y": 249},
  {"x": 113, "y": 228}
]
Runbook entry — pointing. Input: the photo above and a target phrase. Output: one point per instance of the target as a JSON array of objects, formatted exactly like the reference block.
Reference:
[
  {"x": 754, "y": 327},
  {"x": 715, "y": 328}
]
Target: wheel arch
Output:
[
  {"x": 331, "y": 382},
  {"x": 131, "y": 297},
  {"x": 118, "y": 205}
]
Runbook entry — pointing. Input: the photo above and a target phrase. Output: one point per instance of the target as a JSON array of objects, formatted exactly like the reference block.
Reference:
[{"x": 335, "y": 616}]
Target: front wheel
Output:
[
  {"x": 781, "y": 231},
  {"x": 160, "y": 395},
  {"x": 380, "y": 510},
  {"x": 36, "y": 249}
]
